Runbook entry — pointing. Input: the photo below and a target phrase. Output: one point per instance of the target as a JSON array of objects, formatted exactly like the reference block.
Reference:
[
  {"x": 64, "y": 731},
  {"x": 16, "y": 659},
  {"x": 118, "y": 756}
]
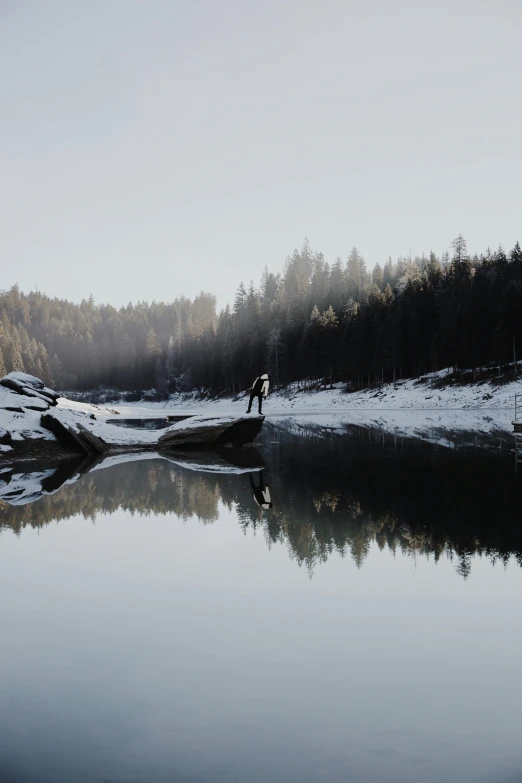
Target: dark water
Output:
[
  {"x": 157, "y": 625},
  {"x": 155, "y": 423}
]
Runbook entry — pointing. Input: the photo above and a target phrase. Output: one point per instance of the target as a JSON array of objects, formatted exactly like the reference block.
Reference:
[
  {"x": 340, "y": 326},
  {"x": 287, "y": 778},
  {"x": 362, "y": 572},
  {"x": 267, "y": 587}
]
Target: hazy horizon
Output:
[{"x": 167, "y": 148}]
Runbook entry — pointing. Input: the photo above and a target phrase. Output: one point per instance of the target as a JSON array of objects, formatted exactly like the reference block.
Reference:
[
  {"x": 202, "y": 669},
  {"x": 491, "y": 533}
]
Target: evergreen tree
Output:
[
  {"x": 460, "y": 252},
  {"x": 329, "y": 324}
]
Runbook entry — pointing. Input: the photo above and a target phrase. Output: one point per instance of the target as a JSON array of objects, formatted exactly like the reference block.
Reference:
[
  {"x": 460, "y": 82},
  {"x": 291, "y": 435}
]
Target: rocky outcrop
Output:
[
  {"x": 77, "y": 439},
  {"x": 26, "y": 416},
  {"x": 212, "y": 431},
  {"x": 29, "y": 386}
]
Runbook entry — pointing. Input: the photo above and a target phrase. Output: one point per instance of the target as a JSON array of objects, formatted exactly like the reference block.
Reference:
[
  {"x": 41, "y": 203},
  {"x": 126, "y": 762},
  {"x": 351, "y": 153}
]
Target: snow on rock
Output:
[
  {"x": 201, "y": 427},
  {"x": 21, "y": 418},
  {"x": 110, "y": 433},
  {"x": 23, "y": 400},
  {"x": 29, "y": 386},
  {"x": 196, "y": 421},
  {"x": 80, "y": 424},
  {"x": 23, "y": 379}
]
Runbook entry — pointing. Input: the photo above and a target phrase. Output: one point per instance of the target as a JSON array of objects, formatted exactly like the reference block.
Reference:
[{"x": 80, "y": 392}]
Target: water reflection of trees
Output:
[
  {"x": 336, "y": 497},
  {"x": 144, "y": 488},
  {"x": 406, "y": 496}
]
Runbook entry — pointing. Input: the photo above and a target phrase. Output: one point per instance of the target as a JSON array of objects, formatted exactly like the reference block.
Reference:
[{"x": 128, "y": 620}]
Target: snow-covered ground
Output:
[
  {"x": 21, "y": 408},
  {"x": 426, "y": 409},
  {"x": 424, "y": 394},
  {"x": 121, "y": 436},
  {"x": 409, "y": 408},
  {"x": 20, "y": 415}
]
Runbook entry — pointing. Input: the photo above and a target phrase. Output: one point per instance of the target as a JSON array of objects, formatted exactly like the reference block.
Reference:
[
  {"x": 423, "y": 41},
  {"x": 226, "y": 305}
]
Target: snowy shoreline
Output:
[
  {"x": 431, "y": 392},
  {"x": 425, "y": 409},
  {"x": 410, "y": 408},
  {"x": 30, "y": 413}
]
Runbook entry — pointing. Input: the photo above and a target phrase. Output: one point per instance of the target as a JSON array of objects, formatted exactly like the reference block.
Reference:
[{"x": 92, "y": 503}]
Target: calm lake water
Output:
[{"x": 158, "y": 626}]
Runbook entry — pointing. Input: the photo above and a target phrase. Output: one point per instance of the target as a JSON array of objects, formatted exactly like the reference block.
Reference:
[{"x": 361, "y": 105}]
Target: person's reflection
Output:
[{"x": 261, "y": 494}]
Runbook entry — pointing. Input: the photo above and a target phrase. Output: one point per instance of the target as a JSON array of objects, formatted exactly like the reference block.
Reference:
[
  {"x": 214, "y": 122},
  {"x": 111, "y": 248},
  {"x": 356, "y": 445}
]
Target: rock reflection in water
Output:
[{"x": 318, "y": 496}]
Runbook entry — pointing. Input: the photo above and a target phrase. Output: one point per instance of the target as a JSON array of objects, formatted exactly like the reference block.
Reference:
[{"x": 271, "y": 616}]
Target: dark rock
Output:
[
  {"x": 213, "y": 432},
  {"x": 79, "y": 440},
  {"x": 244, "y": 431},
  {"x": 94, "y": 443},
  {"x": 5, "y": 437},
  {"x": 28, "y": 392},
  {"x": 49, "y": 396},
  {"x": 63, "y": 433}
]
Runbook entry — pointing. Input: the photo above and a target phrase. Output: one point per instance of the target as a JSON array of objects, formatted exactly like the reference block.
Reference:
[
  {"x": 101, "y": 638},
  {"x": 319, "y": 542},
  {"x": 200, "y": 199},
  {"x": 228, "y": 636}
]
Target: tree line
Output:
[
  {"x": 314, "y": 322},
  {"x": 83, "y": 346},
  {"x": 324, "y": 323}
]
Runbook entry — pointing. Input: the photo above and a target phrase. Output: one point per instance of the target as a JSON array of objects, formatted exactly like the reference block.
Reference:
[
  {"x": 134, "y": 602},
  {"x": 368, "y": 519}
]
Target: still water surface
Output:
[{"x": 157, "y": 626}]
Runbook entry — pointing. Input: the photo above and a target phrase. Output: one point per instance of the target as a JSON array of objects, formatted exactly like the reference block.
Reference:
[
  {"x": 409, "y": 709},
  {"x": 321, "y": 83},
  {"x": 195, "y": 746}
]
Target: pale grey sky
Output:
[{"x": 152, "y": 148}]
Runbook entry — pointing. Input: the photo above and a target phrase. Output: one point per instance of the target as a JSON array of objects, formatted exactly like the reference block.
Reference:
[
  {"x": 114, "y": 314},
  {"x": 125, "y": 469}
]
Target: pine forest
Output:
[{"x": 315, "y": 323}]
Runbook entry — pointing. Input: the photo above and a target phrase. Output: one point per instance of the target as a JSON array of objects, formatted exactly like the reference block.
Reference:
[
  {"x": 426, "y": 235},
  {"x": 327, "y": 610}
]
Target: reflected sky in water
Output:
[{"x": 158, "y": 625}]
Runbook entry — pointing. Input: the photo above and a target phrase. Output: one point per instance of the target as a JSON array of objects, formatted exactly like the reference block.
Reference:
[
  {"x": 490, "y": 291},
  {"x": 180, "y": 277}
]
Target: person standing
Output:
[{"x": 259, "y": 389}]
